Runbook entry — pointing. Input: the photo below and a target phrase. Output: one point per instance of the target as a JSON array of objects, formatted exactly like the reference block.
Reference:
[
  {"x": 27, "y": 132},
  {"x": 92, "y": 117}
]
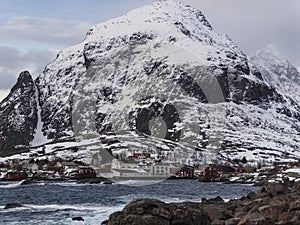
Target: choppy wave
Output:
[
  {"x": 59, "y": 214},
  {"x": 11, "y": 185},
  {"x": 138, "y": 182},
  {"x": 73, "y": 184},
  {"x": 53, "y": 203}
]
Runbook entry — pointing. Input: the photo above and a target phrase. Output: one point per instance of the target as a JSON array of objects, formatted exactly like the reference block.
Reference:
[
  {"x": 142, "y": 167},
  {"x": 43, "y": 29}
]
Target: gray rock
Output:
[
  {"x": 275, "y": 189},
  {"x": 272, "y": 205},
  {"x": 105, "y": 222},
  {"x": 13, "y": 205},
  {"x": 79, "y": 218},
  {"x": 295, "y": 205},
  {"x": 155, "y": 212}
]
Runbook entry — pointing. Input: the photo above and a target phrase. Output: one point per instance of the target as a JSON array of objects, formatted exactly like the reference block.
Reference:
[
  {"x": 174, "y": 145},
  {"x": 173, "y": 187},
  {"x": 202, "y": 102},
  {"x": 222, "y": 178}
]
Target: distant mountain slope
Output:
[
  {"x": 278, "y": 71},
  {"x": 160, "y": 77}
]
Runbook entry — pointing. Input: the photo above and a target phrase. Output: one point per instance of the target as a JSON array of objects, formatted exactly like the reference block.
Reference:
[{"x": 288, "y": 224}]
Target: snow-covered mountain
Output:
[
  {"x": 18, "y": 116},
  {"x": 159, "y": 78},
  {"x": 278, "y": 71}
]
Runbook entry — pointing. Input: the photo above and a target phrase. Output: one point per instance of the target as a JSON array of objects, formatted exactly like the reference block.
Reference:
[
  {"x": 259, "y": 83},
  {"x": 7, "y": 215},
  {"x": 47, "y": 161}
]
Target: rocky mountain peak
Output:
[
  {"x": 18, "y": 116},
  {"x": 271, "y": 51},
  {"x": 25, "y": 75},
  {"x": 24, "y": 80},
  {"x": 155, "y": 16},
  {"x": 278, "y": 71},
  {"x": 24, "y": 84}
]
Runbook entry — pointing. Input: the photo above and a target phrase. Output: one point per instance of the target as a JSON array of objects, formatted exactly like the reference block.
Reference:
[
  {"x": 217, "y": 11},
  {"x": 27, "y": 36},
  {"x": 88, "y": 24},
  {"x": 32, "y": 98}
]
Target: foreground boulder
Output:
[
  {"x": 155, "y": 212},
  {"x": 273, "y": 204}
]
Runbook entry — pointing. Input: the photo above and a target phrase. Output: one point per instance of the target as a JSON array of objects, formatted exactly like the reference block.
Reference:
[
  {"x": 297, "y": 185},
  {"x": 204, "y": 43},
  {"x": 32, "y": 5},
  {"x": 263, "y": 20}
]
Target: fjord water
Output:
[{"x": 58, "y": 203}]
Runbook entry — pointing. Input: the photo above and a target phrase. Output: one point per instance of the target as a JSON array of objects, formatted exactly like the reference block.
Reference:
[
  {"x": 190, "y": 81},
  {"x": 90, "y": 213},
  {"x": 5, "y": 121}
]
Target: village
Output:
[{"x": 142, "y": 165}]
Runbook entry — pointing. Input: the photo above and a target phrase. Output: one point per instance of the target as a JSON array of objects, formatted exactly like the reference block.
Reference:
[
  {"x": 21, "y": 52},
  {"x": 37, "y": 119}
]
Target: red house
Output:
[
  {"x": 186, "y": 172},
  {"x": 144, "y": 155},
  {"x": 84, "y": 173},
  {"x": 209, "y": 174},
  {"x": 15, "y": 175}
]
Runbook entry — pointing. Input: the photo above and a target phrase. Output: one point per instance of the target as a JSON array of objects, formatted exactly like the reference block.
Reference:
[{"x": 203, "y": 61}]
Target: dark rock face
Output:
[
  {"x": 79, "y": 218},
  {"x": 60, "y": 123},
  {"x": 155, "y": 212},
  {"x": 18, "y": 116},
  {"x": 12, "y": 205},
  {"x": 140, "y": 118},
  {"x": 276, "y": 204}
]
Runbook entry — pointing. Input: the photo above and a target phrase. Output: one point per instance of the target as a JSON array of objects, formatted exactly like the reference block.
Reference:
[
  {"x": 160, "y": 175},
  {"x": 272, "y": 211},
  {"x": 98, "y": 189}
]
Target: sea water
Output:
[{"x": 58, "y": 202}]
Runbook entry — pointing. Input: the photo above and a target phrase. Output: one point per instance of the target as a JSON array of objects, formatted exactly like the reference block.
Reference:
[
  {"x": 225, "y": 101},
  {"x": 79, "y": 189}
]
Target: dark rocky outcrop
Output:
[
  {"x": 274, "y": 204},
  {"x": 155, "y": 212},
  {"x": 105, "y": 222},
  {"x": 28, "y": 181},
  {"x": 79, "y": 218},
  {"x": 12, "y": 205},
  {"x": 18, "y": 116}
]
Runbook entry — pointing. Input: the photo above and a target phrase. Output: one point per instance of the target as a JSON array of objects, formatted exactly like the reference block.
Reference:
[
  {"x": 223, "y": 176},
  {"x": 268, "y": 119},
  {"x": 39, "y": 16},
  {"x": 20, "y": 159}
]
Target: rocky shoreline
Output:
[{"x": 273, "y": 204}]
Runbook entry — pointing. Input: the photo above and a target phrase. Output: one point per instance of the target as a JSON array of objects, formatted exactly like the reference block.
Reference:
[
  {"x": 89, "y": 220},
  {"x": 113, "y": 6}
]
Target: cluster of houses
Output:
[
  {"x": 139, "y": 165},
  {"x": 132, "y": 169},
  {"x": 215, "y": 171},
  {"x": 143, "y": 166},
  {"x": 58, "y": 171}
]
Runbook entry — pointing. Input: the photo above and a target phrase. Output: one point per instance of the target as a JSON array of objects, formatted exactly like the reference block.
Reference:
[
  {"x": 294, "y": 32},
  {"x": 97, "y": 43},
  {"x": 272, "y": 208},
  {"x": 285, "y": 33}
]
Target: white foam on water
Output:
[
  {"x": 11, "y": 185},
  {"x": 80, "y": 207},
  {"x": 92, "y": 214},
  {"x": 139, "y": 182},
  {"x": 73, "y": 184}
]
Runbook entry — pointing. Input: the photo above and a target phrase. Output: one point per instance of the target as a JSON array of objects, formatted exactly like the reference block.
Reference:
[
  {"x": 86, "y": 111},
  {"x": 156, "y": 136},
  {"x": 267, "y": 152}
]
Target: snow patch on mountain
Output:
[{"x": 39, "y": 137}]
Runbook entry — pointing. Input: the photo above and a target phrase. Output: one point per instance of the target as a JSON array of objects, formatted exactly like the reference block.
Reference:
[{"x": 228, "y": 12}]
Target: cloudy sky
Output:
[{"x": 33, "y": 31}]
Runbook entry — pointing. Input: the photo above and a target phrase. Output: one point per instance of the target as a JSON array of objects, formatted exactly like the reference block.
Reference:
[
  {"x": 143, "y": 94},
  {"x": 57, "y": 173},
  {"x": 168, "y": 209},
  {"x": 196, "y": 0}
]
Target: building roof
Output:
[
  {"x": 104, "y": 170},
  {"x": 127, "y": 171},
  {"x": 68, "y": 164},
  {"x": 163, "y": 164}
]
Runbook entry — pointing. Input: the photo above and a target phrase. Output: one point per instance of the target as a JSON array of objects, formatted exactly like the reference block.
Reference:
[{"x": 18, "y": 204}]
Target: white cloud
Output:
[
  {"x": 7, "y": 77},
  {"x": 26, "y": 44},
  {"x": 253, "y": 24},
  {"x": 41, "y": 31},
  {"x": 3, "y": 94},
  {"x": 13, "y": 61}
]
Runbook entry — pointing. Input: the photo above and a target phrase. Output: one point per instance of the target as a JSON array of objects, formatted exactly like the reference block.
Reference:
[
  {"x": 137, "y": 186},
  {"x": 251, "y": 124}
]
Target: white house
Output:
[
  {"x": 31, "y": 166},
  {"x": 161, "y": 169},
  {"x": 118, "y": 164},
  {"x": 123, "y": 173},
  {"x": 105, "y": 172}
]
